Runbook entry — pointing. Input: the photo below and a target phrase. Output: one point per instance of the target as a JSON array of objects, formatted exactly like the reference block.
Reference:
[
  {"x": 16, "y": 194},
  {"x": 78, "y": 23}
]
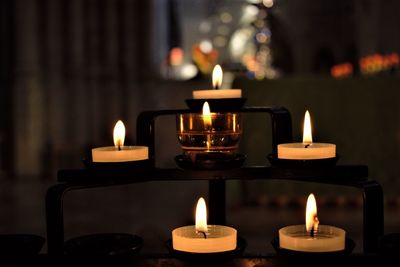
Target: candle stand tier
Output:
[{"x": 350, "y": 176}]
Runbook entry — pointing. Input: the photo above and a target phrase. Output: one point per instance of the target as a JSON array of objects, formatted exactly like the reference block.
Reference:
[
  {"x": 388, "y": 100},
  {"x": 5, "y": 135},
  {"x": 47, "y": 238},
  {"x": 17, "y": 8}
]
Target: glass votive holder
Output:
[{"x": 213, "y": 134}]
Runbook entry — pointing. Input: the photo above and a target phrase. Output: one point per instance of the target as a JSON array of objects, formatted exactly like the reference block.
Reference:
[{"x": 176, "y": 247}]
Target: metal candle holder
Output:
[{"x": 352, "y": 176}]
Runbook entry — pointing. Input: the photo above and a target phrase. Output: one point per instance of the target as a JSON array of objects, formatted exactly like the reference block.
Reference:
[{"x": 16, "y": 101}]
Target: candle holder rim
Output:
[
  {"x": 321, "y": 228},
  {"x": 212, "y": 114}
]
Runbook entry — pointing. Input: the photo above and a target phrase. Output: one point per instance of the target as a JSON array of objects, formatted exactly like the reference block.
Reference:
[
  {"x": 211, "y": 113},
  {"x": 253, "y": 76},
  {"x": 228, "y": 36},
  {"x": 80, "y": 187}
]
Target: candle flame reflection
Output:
[
  {"x": 307, "y": 135},
  {"x": 217, "y": 76},
  {"x": 201, "y": 216},
  {"x": 206, "y": 115},
  {"x": 119, "y": 134},
  {"x": 311, "y": 214}
]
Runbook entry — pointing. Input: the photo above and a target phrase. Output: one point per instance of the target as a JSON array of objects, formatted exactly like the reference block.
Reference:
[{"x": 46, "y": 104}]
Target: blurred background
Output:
[{"x": 69, "y": 69}]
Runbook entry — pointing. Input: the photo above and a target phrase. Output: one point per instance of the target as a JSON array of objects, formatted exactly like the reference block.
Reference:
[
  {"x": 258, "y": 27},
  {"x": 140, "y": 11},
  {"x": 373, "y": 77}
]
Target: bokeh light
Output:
[{"x": 268, "y": 3}]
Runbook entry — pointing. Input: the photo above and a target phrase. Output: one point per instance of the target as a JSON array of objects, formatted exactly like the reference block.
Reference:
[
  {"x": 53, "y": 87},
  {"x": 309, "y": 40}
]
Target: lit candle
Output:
[
  {"x": 217, "y": 93},
  {"x": 119, "y": 152},
  {"x": 307, "y": 150},
  {"x": 203, "y": 238},
  {"x": 312, "y": 237}
]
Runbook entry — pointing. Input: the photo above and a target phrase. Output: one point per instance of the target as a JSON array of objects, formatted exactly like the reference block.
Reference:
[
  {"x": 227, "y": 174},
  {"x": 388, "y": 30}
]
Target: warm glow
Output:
[
  {"x": 176, "y": 56},
  {"x": 206, "y": 115},
  {"x": 311, "y": 214},
  {"x": 201, "y": 216},
  {"x": 206, "y": 46},
  {"x": 268, "y": 3},
  {"x": 119, "y": 134},
  {"x": 217, "y": 77},
  {"x": 307, "y": 135}
]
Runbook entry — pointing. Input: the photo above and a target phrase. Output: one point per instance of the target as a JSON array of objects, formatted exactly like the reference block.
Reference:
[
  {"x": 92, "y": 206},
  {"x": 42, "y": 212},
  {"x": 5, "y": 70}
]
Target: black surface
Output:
[
  {"x": 20, "y": 244},
  {"x": 390, "y": 244},
  {"x": 216, "y": 105},
  {"x": 276, "y": 162},
  {"x": 349, "y": 247},
  {"x": 238, "y": 251},
  {"x": 210, "y": 161},
  {"x": 104, "y": 244},
  {"x": 162, "y": 260}
]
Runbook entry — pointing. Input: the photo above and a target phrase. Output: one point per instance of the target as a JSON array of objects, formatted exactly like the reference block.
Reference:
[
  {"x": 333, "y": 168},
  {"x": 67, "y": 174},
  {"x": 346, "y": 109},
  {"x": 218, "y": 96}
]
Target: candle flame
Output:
[
  {"x": 201, "y": 216},
  {"x": 307, "y": 135},
  {"x": 206, "y": 115},
  {"x": 119, "y": 134},
  {"x": 217, "y": 76},
  {"x": 311, "y": 214}
]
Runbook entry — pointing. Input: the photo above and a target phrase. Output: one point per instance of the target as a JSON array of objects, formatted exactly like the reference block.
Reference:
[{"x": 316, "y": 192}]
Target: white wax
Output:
[
  {"x": 298, "y": 151},
  {"x": 327, "y": 239},
  {"x": 127, "y": 153},
  {"x": 219, "y": 239},
  {"x": 217, "y": 93}
]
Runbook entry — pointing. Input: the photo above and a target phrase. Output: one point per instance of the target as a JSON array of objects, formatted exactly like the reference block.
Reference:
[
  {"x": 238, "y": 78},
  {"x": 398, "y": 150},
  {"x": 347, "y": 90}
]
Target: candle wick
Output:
[
  {"x": 119, "y": 147},
  {"x": 314, "y": 228},
  {"x": 204, "y": 234},
  {"x": 307, "y": 145},
  {"x": 216, "y": 87}
]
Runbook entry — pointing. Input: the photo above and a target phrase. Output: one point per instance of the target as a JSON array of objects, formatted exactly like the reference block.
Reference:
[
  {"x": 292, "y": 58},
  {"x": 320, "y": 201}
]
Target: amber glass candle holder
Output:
[{"x": 213, "y": 134}]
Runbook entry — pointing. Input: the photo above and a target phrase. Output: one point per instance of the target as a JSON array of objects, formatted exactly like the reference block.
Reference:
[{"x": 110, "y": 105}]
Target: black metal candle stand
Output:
[
  {"x": 104, "y": 244},
  {"x": 281, "y": 126},
  {"x": 210, "y": 161},
  {"x": 20, "y": 245}
]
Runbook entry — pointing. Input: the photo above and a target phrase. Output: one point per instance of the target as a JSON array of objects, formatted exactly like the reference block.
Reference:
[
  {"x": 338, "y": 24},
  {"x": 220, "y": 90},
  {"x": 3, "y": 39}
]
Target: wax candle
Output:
[
  {"x": 119, "y": 152},
  {"x": 312, "y": 237},
  {"x": 307, "y": 150},
  {"x": 217, "y": 93},
  {"x": 203, "y": 238}
]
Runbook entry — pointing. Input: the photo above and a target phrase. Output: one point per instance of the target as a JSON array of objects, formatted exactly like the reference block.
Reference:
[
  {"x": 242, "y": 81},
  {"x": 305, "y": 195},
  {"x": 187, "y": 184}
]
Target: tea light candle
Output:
[
  {"x": 306, "y": 150},
  {"x": 217, "y": 93},
  {"x": 119, "y": 152},
  {"x": 312, "y": 237},
  {"x": 203, "y": 238}
]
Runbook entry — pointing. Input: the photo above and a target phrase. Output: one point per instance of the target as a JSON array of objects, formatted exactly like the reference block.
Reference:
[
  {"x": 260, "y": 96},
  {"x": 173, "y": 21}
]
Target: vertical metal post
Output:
[
  {"x": 217, "y": 202},
  {"x": 373, "y": 215},
  {"x": 145, "y": 128},
  {"x": 281, "y": 127},
  {"x": 55, "y": 219}
]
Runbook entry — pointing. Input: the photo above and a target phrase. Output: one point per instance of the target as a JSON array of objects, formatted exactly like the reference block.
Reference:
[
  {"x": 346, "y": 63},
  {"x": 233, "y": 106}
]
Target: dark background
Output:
[{"x": 70, "y": 68}]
